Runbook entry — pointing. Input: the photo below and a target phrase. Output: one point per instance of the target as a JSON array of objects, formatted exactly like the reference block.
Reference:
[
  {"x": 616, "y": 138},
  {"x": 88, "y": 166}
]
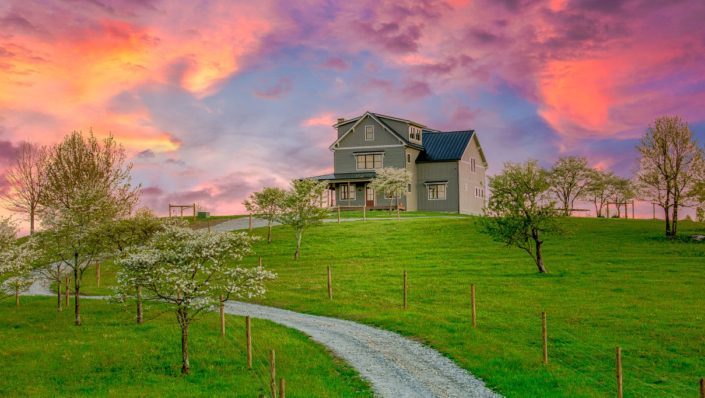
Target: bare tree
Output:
[
  {"x": 599, "y": 190},
  {"x": 87, "y": 185},
  {"x": 569, "y": 178},
  {"x": 26, "y": 178},
  {"x": 670, "y": 167}
]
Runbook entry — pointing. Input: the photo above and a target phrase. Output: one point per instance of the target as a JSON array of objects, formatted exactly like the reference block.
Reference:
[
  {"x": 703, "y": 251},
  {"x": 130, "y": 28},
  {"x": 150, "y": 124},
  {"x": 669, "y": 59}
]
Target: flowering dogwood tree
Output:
[
  {"x": 15, "y": 260},
  {"x": 190, "y": 270},
  {"x": 301, "y": 208}
]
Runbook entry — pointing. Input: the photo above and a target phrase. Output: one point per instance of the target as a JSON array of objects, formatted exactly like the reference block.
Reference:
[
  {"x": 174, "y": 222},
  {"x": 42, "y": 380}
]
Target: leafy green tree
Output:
[
  {"x": 521, "y": 210},
  {"x": 87, "y": 185},
  {"x": 267, "y": 205},
  {"x": 599, "y": 190},
  {"x": 621, "y": 191},
  {"x": 189, "y": 270},
  {"x": 671, "y": 165},
  {"x": 301, "y": 208},
  {"x": 570, "y": 178},
  {"x": 393, "y": 182}
]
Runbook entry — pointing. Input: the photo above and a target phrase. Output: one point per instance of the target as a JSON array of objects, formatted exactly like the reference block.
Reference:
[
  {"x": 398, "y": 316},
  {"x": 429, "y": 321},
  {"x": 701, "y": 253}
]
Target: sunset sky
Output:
[{"x": 215, "y": 99}]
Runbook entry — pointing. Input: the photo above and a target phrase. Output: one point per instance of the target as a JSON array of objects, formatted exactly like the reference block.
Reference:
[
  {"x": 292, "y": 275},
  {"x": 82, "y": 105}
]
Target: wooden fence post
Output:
[
  {"x": 620, "y": 392},
  {"x": 282, "y": 388},
  {"x": 702, "y": 388},
  {"x": 405, "y": 287},
  {"x": 97, "y": 274},
  {"x": 273, "y": 373},
  {"x": 222, "y": 316},
  {"x": 248, "y": 337},
  {"x": 544, "y": 337},
  {"x": 338, "y": 214},
  {"x": 330, "y": 284},
  {"x": 139, "y": 305},
  {"x": 260, "y": 262},
  {"x": 472, "y": 304},
  {"x": 364, "y": 212}
]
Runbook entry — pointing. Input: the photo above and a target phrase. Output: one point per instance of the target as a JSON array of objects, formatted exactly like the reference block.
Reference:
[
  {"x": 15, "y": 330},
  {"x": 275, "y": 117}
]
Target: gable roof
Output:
[
  {"x": 379, "y": 119},
  {"x": 444, "y": 146}
]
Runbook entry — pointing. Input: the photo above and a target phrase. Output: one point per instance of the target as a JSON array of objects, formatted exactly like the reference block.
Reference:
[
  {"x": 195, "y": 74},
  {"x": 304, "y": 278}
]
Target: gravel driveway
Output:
[{"x": 395, "y": 366}]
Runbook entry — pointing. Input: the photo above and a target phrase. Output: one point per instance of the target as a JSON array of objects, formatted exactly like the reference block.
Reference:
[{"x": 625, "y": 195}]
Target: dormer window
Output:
[
  {"x": 414, "y": 133},
  {"x": 369, "y": 133}
]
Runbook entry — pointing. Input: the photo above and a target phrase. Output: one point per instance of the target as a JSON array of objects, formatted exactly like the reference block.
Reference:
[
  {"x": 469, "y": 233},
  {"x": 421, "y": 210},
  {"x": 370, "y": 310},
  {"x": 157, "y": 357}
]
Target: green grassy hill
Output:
[
  {"x": 611, "y": 282},
  {"x": 44, "y": 355}
]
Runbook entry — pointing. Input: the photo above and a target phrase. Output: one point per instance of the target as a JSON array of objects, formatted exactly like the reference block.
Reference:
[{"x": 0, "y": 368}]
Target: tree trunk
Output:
[
  {"x": 77, "y": 291},
  {"x": 298, "y": 245},
  {"x": 31, "y": 221},
  {"x": 269, "y": 233},
  {"x": 66, "y": 292},
  {"x": 58, "y": 295},
  {"x": 139, "y": 305},
  {"x": 397, "y": 200},
  {"x": 668, "y": 221},
  {"x": 17, "y": 296},
  {"x": 183, "y": 321},
  {"x": 539, "y": 255},
  {"x": 674, "y": 220}
]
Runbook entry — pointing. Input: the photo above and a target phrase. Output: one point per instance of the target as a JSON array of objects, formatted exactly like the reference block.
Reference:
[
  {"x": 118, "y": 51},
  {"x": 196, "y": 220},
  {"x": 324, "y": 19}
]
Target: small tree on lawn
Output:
[
  {"x": 599, "y": 190},
  {"x": 189, "y": 270},
  {"x": 16, "y": 260},
  {"x": 87, "y": 185},
  {"x": 25, "y": 179},
  {"x": 670, "y": 167},
  {"x": 393, "y": 182},
  {"x": 621, "y": 191},
  {"x": 267, "y": 205},
  {"x": 570, "y": 177},
  {"x": 301, "y": 208},
  {"x": 520, "y": 209}
]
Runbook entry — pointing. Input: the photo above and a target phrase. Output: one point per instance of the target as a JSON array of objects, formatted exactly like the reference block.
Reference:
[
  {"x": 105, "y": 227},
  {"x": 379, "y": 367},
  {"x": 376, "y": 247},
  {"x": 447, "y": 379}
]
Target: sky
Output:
[{"x": 215, "y": 99}]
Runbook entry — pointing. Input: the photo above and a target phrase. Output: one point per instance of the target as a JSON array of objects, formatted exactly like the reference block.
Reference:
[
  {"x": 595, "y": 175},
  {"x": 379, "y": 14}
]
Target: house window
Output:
[
  {"x": 414, "y": 133},
  {"x": 347, "y": 192},
  {"x": 408, "y": 158},
  {"x": 472, "y": 164},
  {"x": 409, "y": 188},
  {"x": 437, "y": 191},
  {"x": 369, "y": 133},
  {"x": 369, "y": 161},
  {"x": 479, "y": 192},
  {"x": 389, "y": 195}
]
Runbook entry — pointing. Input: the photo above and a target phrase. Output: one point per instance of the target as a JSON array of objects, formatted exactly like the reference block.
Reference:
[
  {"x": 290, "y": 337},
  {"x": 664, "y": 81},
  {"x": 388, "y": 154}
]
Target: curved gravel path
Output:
[{"x": 395, "y": 366}]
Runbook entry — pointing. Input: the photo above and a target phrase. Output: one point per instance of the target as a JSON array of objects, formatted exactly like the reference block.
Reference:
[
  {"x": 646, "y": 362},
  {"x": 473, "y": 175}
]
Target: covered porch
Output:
[{"x": 352, "y": 191}]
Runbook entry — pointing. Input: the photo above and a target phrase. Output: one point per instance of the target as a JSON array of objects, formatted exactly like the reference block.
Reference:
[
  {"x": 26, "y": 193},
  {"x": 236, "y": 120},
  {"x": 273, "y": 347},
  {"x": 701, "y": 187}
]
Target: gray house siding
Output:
[
  {"x": 438, "y": 171},
  {"x": 470, "y": 203},
  {"x": 344, "y": 159},
  {"x": 412, "y": 197},
  {"x": 356, "y": 138}
]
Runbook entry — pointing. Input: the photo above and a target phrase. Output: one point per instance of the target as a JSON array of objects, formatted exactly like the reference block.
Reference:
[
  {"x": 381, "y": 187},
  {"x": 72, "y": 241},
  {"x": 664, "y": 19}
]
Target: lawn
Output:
[
  {"x": 611, "y": 283},
  {"x": 44, "y": 355}
]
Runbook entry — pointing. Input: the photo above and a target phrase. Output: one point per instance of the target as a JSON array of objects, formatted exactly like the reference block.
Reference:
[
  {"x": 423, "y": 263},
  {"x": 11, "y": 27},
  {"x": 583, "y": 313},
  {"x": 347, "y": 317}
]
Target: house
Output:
[{"x": 448, "y": 167}]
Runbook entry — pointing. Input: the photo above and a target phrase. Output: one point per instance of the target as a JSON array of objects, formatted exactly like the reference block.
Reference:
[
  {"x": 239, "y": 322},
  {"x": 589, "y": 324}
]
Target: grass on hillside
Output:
[
  {"x": 388, "y": 214},
  {"x": 44, "y": 355},
  {"x": 611, "y": 282}
]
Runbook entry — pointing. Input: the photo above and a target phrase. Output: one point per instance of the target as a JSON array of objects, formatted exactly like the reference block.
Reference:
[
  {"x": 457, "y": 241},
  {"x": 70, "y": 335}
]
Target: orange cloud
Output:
[{"x": 325, "y": 119}]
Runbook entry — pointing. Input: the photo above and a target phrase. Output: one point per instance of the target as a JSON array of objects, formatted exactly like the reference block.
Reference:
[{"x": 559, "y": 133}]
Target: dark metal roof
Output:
[
  {"x": 444, "y": 146},
  {"x": 362, "y": 175}
]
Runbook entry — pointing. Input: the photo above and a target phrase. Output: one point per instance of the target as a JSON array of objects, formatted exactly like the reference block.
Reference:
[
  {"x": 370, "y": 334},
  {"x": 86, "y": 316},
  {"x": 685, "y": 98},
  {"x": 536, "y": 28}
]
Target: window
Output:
[
  {"x": 414, "y": 133},
  {"x": 409, "y": 189},
  {"x": 437, "y": 191},
  {"x": 408, "y": 158},
  {"x": 479, "y": 192},
  {"x": 369, "y": 161},
  {"x": 369, "y": 133},
  {"x": 472, "y": 164},
  {"x": 347, "y": 192},
  {"x": 389, "y": 195}
]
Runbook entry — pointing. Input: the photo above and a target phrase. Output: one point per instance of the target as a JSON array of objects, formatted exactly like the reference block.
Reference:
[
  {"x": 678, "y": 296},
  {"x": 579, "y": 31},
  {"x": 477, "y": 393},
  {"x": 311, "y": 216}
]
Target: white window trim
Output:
[
  {"x": 428, "y": 190},
  {"x": 372, "y": 129},
  {"x": 351, "y": 191},
  {"x": 371, "y": 153}
]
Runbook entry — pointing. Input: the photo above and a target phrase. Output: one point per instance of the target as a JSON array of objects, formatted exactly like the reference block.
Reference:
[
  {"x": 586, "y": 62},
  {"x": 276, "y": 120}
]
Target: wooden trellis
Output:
[{"x": 181, "y": 208}]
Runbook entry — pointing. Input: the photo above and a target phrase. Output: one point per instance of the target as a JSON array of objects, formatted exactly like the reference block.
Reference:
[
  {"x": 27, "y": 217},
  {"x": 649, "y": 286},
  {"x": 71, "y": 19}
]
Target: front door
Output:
[{"x": 369, "y": 197}]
